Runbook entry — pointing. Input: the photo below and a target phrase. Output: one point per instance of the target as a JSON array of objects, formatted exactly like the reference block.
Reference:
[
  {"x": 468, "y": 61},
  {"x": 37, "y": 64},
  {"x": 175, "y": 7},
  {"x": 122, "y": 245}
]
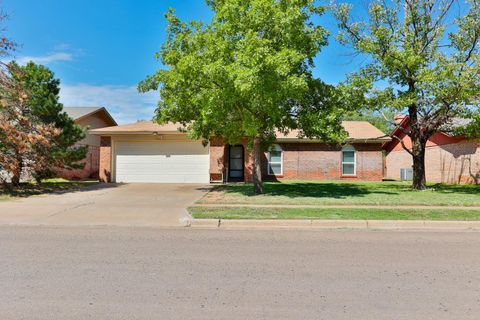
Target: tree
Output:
[
  {"x": 24, "y": 139},
  {"x": 43, "y": 90},
  {"x": 6, "y": 45},
  {"x": 422, "y": 61},
  {"x": 245, "y": 74},
  {"x": 471, "y": 128}
]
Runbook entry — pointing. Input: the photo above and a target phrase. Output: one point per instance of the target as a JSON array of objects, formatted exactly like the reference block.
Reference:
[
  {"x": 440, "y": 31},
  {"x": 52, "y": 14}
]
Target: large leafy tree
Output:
[
  {"x": 422, "y": 60},
  {"x": 43, "y": 100},
  {"x": 245, "y": 74},
  {"x": 24, "y": 139}
]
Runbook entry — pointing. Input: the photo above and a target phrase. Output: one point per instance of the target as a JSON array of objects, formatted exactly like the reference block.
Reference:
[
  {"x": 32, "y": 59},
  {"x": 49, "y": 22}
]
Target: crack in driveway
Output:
[{"x": 72, "y": 208}]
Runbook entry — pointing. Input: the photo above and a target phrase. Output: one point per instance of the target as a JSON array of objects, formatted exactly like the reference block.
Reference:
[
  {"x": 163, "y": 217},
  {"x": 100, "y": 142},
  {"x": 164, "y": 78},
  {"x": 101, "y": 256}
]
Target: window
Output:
[
  {"x": 349, "y": 161},
  {"x": 275, "y": 161}
]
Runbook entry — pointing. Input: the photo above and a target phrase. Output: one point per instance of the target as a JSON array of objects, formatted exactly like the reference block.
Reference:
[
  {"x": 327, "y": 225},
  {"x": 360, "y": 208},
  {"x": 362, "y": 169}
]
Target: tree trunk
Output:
[
  {"x": 418, "y": 155},
  {"x": 257, "y": 167},
  {"x": 15, "y": 180},
  {"x": 17, "y": 173}
]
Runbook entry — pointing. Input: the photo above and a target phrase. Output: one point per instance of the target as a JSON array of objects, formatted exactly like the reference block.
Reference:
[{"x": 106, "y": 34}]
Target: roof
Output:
[
  {"x": 77, "y": 113},
  {"x": 141, "y": 127},
  {"x": 459, "y": 122},
  {"x": 448, "y": 133},
  {"x": 360, "y": 130},
  {"x": 357, "y": 130}
]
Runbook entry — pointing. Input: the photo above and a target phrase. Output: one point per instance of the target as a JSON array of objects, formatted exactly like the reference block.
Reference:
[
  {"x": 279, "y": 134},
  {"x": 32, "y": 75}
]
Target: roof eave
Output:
[
  {"x": 114, "y": 133},
  {"x": 364, "y": 140}
]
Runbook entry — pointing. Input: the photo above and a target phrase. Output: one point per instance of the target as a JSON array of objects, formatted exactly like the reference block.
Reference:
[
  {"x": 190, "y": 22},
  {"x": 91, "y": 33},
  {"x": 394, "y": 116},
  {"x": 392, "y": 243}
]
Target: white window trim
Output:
[
  {"x": 350, "y": 148},
  {"x": 277, "y": 148}
]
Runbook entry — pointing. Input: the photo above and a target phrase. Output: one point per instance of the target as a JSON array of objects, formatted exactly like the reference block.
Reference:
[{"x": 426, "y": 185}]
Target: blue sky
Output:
[{"x": 101, "y": 49}]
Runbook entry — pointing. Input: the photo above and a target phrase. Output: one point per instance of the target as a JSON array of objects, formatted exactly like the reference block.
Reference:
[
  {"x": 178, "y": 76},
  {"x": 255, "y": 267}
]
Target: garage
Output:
[{"x": 184, "y": 161}]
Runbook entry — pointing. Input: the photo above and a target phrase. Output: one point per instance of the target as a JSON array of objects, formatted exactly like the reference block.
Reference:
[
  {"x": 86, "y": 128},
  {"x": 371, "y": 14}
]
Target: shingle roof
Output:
[
  {"x": 357, "y": 130},
  {"x": 360, "y": 130},
  {"x": 139, "y": 128},
  {"x": 78, "y": 112}
]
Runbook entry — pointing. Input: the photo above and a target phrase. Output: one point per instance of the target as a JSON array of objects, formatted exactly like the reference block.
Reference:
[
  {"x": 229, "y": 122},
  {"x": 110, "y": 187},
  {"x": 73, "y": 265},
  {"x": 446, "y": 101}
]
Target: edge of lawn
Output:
[{"x": 245, "y": 213}]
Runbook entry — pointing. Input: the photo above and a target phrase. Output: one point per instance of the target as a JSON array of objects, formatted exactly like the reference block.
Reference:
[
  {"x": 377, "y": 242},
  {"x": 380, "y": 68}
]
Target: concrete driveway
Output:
[{"x": 147, "y": 205}]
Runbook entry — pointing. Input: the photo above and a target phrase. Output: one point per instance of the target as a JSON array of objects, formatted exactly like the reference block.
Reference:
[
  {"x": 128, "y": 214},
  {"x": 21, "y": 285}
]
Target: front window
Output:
[
  {"x": 275, "y": 161},
  {"x": 349, "y": 161}
]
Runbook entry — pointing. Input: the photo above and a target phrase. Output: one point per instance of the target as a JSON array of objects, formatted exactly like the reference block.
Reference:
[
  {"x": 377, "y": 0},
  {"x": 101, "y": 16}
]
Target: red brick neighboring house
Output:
[
  {"x": 148, "y": 152},
  {"x": 448, "y": 159},
  {"x": 89, "y": 118}
]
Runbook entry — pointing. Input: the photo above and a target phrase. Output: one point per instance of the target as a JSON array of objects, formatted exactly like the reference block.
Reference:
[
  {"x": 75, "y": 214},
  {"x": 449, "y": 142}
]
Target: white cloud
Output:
[
  {"x": 124, "y": 103},
  {"x": 46, "y": 59}
]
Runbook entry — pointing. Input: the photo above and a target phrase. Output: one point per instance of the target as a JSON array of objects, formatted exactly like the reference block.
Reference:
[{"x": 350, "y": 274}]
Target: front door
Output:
[{"x": 235, "y": 162}]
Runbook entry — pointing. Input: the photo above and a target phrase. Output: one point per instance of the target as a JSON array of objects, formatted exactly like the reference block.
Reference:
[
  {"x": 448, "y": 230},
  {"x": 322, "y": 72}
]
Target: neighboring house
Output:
[
  {"x": 148, "y": 152},
  {"x": 88, "y": 118},
  {"x": 448, "y": 158}
]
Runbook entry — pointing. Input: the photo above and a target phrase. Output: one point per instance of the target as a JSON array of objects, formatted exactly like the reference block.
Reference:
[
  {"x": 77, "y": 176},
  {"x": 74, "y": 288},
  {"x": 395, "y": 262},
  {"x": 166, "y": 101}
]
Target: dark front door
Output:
[{"x": 235, "y": 162}]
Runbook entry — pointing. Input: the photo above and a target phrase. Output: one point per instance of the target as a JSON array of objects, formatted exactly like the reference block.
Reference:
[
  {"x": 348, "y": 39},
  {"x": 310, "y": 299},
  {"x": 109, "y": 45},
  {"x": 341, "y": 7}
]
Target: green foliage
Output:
[
  {"x": 245, "y": 74},
  {"x": 421, "y": 61},
  {"x": 43, "y": 90},
  {"x": 471, "y": 129}
]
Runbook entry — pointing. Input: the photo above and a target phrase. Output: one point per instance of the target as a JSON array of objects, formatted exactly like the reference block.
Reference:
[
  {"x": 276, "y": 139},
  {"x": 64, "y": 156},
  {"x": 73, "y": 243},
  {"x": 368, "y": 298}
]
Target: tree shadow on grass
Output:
[
  {"x": 338, "y": 190},
  {"x": 457, "y": 188},
  {"x": 25, "y": 190}
]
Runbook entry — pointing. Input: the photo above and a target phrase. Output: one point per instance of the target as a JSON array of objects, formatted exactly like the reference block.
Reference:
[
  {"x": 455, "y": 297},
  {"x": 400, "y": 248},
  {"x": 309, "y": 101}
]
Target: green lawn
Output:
[
  {"x": 334, "y": 213},
  {"x": 345, "y": 193},
  {"x": 47, "y": 186}
]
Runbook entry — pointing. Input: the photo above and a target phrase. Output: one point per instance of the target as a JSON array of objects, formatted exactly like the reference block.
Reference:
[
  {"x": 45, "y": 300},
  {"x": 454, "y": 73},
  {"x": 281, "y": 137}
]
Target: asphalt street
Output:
[{"x": 148, "y": 273}]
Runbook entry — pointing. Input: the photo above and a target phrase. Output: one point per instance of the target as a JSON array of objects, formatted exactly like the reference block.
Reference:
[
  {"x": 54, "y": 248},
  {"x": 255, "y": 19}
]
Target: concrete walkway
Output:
[{"x": 145, "y": 205}]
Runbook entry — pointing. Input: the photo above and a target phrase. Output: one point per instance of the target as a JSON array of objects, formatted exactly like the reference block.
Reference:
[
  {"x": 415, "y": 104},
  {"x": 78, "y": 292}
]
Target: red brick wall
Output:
[
  {"x": 219, "y": 160},
  {"x": 105, "y": 167},
  {"x": 309, "y": 161},
  {"x": 90, "y": 170},
  {"x": 452, "y": 163},
  {"x": 321, "y": 161}
]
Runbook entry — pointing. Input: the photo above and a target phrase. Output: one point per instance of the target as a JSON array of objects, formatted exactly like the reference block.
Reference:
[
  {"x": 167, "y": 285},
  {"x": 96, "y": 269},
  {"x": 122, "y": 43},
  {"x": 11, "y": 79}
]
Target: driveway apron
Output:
[{"x": 148, "y": 205}]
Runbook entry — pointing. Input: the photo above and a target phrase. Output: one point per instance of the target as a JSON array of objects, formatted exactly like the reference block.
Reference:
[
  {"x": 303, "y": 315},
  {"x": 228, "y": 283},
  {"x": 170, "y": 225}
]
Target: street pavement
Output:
[{"x": 184, "y": 273}]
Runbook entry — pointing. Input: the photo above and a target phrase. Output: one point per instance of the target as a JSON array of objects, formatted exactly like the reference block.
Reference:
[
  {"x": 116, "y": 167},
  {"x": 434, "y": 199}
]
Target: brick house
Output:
[
  {"x": 88, "y": 118},
  {"x": 448, "y": 159},
  {"x": 148, "y": 152}
]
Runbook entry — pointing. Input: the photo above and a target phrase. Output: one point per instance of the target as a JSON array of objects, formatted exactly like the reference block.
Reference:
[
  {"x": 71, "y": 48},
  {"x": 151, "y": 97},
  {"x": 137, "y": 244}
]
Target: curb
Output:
[
  {"x": 336, "y": 224},
  {"x": 330, "y": 206}
]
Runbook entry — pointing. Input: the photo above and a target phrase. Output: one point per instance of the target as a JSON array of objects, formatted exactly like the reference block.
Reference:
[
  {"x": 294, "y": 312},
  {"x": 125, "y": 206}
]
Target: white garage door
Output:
[{"x": 162, "y": 161}]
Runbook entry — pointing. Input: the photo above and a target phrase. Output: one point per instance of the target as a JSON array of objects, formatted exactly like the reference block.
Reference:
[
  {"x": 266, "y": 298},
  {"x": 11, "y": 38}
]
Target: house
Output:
[
  {"x": 448, "y": 158},
  {"x": 89, "y": 118},
  {"x": 149, "y": 152}
]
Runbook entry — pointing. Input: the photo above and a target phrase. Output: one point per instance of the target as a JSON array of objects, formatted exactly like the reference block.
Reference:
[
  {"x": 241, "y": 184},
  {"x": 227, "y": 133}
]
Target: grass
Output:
[
  {"x": 334, "y": 213},
  {"x": 343, "y": 193},
  {"x": 28, "y": 189}
]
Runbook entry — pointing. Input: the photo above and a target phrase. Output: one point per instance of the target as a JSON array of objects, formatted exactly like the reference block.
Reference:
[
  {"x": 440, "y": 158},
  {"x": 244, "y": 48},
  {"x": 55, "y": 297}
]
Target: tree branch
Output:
[{"x": 402, "y": 144}]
